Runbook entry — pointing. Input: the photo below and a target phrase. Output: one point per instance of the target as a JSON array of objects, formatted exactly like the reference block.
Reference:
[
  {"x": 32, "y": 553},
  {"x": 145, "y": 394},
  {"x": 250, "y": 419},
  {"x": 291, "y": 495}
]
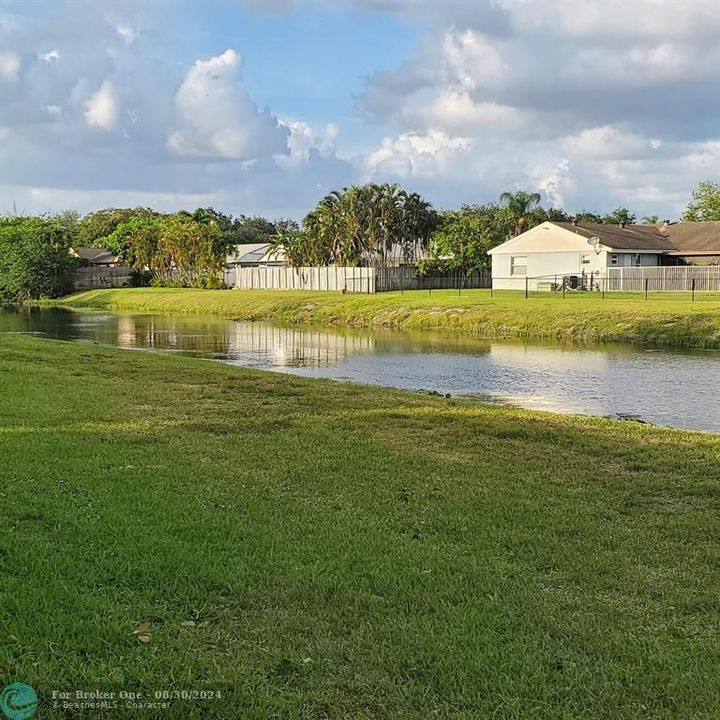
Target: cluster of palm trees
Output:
[
  {"x": 384, "y": 225},
  {"x": 375, "y": 225}
]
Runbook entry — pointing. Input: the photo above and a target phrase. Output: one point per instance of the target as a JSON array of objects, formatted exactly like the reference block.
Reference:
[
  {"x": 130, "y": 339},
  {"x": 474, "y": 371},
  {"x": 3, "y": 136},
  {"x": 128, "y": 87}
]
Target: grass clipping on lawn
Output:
[{"x": 324, "y": 550}]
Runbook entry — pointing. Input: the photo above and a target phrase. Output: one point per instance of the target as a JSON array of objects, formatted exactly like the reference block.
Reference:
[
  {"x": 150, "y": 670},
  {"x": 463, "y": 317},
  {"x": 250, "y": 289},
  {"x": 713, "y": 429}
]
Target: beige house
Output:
[{"x": 553, "y": 250}]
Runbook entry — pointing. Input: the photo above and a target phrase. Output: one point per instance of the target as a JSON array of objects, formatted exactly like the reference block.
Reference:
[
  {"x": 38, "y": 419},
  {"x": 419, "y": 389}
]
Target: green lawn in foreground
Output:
[
  {"x": 583, "y": 317},
  {"x": 324, "y": 550}
]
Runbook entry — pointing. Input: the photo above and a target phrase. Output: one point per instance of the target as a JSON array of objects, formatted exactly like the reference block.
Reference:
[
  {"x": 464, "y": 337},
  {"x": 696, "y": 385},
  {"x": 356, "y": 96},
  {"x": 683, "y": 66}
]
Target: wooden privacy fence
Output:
[
  {"x": 701, "y": 278},
  {"x": 351, "y": 279},
  {"x": 348, "y": 279},
  {"x": 665, "y": 279}
]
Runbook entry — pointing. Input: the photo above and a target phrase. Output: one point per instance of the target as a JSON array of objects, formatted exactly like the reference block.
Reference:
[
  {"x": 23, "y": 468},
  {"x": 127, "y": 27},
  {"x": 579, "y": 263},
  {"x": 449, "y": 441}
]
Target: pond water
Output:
[{"x": 680, "y": 388}]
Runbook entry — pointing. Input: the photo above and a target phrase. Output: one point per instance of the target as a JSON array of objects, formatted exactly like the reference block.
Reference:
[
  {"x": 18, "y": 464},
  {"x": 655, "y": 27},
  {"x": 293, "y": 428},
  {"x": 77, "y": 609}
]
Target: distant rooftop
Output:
[
  {"x": 674, "y": 238},
  {"x": 95, "y": 256},
  {"x": 256, "y": 253}
]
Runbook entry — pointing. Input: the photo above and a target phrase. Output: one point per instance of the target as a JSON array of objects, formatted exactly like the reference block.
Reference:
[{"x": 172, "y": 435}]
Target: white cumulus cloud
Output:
[
  {"x": 609, "y": 141},
  {"x": 101, "y": 110},
  {"x": 457, "y": 111},
  {"x": 9, "y": 66},
  {"x": 304, "y": 140},
  {"x": 219, "y": 118},
  {"x": 415, "y": 154},
  {"x": 472, "y": 59},
  {"x": 554, "y": 183}
]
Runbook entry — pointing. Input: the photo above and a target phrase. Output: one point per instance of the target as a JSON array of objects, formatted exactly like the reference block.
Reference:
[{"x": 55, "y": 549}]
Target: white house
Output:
[
  {"x": 251, "y": 255},
  {"x": 544, "y": 255}
]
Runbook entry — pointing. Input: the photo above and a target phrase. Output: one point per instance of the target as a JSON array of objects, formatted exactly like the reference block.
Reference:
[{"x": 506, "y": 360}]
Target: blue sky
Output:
[{"x": 264, "y": 107}]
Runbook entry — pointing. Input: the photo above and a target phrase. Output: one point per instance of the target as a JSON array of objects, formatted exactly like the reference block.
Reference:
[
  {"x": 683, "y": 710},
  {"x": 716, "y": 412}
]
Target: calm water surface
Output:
[{"x": 667, "y": 387}]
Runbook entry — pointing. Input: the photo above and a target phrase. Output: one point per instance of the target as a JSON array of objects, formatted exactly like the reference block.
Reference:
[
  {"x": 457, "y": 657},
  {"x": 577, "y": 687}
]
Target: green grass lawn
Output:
[
  {"x": 581, "y": 316},
  {"x": 324, "y": 550}
]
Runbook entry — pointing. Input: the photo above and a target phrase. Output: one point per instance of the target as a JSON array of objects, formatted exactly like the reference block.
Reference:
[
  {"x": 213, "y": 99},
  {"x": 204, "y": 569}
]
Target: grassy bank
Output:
[
  {"x": 321, "y": 550},
  {"x": 578, "y": 317}
]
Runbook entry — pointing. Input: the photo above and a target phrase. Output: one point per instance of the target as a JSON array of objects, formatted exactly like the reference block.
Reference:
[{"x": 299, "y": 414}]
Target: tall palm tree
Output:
[
  {"x": 389, "y": 201},
  {"x": 419, "y": 222},
  {"x": 520, "y": 204},
  {"x": 364, "y": 224}
]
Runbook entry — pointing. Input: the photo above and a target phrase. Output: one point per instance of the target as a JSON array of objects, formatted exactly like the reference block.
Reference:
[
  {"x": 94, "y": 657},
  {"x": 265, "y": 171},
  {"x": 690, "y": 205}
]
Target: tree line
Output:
[
  {"x": 380, "y": 224},
  {"x": 185, "y": 249},
  {"x": 372, "y": 224}
]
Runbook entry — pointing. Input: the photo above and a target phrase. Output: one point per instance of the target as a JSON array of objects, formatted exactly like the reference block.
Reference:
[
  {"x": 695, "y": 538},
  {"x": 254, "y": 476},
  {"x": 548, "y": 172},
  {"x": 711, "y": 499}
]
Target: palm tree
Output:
[
  {"x": 419, "y": 222},
  {"x": 520, "y": 204},
  {"x": 364, "y": 224}
]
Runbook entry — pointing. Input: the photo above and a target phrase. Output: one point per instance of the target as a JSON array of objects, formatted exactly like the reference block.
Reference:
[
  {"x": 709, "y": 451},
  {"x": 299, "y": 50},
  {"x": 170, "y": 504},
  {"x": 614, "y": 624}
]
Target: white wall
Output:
[
  {"x": 550, "y": 251},
  {"x": 543, "y": 267}
]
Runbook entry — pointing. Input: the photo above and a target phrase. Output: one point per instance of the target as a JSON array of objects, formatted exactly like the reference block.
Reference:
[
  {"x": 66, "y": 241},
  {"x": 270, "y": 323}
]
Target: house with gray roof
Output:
[
  {"x": 96, "y": 257},
  {"x": 255, "y": 255},
  {"x": 100, "y": 268},
  {"x": 567, "y": 248},
  {"x": 251, "y": 255}
]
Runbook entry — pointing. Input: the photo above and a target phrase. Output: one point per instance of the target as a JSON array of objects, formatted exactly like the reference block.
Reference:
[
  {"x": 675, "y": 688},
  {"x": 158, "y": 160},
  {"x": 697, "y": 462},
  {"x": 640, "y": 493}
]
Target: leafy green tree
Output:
[
  {"x": 464, "y": 238},
  {"x": 589, "y": 217},
  {"x": 557, "y": 214},
  {"x": 196, "y": 251},
  {"x": 361, "y": 225},
  {"x": 520, "y": 205},
  {"x": 241, "y": 230},
  {"x": 236, "y": 230},
  {"x": 650, "y": 220},
  {"x": 96, "y": 227},
  {"x": 296, "y": 247},
  {"x": 137, "y": 243},
  {"x": 173, "y": 249},
  {"x": 71, "y": 220},
  {"x": 705, "y": 204},
  {"x": 286, "y": 225},
  {"x": 35, "y": 258},
  {"x": 253, "y": 229},
  {"x": 620, "y": 215},
  {"x": 226, "y": 225}
]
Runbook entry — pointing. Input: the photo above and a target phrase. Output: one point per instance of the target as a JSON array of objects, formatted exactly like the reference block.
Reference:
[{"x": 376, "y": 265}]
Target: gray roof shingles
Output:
[
  {"x": 96, "y": 256},
  {"x": 675, "y": 238}
]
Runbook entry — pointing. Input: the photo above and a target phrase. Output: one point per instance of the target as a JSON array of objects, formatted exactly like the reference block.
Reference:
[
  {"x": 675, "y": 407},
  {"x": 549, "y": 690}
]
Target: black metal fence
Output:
[
  {"x": 703, "y": 285},
  {"x": 86, "y": 278},
  {"x": 395, "y": 279}
]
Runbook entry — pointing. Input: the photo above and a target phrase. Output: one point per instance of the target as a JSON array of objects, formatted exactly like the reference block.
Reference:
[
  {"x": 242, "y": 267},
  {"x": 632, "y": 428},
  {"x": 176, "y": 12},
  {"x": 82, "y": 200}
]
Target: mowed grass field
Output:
[
  {"x": 324, "y": 550},
  {"x": 670, "y": 319}
]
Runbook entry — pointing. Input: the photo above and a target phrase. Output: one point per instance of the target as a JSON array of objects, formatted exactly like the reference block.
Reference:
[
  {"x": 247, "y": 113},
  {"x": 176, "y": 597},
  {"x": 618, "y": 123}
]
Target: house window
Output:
[
  {"x": 614, "y": 259},
  {"x": 518, "y": 265},
  {"x": 637, "y": 259}
]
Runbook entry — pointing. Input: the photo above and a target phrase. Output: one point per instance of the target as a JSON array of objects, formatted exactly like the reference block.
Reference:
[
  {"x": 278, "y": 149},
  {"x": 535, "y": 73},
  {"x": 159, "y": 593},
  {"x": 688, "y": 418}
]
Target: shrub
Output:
[{"x": 34, "y": 258}]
